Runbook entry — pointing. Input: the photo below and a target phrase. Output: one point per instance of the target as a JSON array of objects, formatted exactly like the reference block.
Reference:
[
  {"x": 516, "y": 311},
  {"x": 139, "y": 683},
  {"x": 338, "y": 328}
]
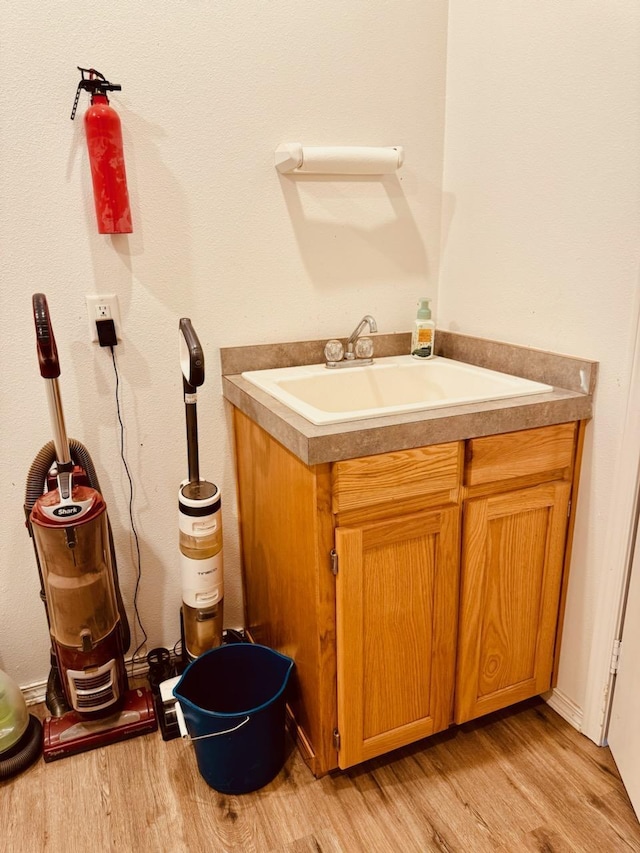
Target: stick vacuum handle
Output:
[
  {"x": 45, "y": 341},
  {"x": 191, "y": 355}
]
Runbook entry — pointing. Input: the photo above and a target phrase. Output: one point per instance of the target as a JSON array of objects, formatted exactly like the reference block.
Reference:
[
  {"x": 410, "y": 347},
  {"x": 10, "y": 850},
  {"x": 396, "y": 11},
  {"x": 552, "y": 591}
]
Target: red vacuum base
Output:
[{"x": 70, "y": 734}]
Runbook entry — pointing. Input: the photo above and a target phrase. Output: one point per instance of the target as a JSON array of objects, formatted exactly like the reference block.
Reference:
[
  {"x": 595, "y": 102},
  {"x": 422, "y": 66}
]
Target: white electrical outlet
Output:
[{"x": 103, "y": 307}]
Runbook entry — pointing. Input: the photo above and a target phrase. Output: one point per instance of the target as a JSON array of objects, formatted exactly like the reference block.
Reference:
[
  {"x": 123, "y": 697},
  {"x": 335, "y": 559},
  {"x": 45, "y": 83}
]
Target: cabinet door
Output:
[
  {"x": 512, "y": 562},
  {"x": 396, "y": 609}
]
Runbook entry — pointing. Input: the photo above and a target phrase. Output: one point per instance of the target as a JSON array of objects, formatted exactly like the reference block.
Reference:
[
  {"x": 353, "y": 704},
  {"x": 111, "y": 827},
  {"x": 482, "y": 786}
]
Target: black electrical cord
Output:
[{"x": 133, "y": 525}]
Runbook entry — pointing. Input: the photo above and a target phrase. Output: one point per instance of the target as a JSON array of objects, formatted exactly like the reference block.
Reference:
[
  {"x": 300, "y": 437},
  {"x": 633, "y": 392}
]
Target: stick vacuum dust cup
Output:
[{"x": 200, "y": 524}]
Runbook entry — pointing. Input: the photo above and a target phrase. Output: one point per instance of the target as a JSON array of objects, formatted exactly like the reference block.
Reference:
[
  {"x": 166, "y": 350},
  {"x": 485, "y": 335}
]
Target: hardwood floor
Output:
[{"x": 519, "y": 780}]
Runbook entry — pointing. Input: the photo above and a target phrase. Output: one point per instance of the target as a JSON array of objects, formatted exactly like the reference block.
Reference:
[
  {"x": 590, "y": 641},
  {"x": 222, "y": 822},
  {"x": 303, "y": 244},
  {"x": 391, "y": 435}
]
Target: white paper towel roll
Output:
[{"x": 338, "y": 160}]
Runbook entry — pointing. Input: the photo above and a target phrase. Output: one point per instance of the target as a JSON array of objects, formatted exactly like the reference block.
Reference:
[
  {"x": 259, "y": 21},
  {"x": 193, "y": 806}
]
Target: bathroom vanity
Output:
[{"x": 414, "y": 566}]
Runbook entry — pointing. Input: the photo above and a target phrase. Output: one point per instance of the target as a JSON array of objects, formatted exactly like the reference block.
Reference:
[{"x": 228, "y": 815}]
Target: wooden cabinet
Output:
[{"x": 413, "y": 588}]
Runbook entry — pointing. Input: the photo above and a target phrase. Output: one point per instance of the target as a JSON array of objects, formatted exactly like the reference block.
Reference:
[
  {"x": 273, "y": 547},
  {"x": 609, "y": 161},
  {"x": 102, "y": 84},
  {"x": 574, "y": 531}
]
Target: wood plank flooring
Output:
[{"x": 519, "y": 780}]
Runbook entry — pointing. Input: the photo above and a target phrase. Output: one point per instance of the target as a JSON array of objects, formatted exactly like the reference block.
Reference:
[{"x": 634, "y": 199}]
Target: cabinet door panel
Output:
[
  {"x": 397, "y": 590},
  {"x": 512, "y": 561}
]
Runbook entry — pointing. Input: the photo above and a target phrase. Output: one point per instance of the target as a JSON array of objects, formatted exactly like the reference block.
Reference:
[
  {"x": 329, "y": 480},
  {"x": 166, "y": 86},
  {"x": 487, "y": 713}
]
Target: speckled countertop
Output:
[{"x": 573, "y": 381}]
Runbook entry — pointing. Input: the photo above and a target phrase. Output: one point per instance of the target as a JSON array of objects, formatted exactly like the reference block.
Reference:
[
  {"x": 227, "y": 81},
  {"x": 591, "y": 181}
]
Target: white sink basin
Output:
[{"x": 389, "y": 386}]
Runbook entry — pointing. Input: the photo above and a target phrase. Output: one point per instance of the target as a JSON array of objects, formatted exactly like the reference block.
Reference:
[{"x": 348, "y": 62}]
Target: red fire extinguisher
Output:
[{"x": 106, "y": 154}]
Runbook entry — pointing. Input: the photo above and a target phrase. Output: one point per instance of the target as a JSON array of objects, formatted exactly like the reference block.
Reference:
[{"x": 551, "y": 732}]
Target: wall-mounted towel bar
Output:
[{"x": 295, "y": 158}]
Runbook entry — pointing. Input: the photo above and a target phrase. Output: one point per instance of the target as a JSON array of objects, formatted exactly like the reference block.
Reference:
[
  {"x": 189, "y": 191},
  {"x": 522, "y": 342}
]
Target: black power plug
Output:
[{"x": 107, "y": 333}]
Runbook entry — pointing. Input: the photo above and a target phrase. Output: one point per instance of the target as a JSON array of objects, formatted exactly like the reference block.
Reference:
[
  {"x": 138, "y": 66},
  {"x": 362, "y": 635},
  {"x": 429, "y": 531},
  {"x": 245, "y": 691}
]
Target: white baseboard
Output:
[
  {"x": 34, "y": 693},
  {"x": 565, "y": 707}
]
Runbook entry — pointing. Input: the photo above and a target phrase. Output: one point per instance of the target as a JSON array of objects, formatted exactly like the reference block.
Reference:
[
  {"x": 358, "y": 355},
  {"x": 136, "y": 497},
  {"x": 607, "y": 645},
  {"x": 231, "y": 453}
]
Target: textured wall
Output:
[
  {"x": 541, "y": 215},
  {"x": 209, "y": 90}
]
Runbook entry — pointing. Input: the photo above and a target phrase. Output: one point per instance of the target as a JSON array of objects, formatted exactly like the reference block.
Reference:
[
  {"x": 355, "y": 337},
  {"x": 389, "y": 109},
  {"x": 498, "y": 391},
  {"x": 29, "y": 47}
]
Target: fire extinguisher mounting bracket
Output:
[{"x": 96, "y": 84}]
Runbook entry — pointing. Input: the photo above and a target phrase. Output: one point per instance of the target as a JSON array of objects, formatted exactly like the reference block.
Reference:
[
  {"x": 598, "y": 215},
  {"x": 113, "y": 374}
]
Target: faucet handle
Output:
[
  {"x": 333, "y": 350},
  {"x": 364, "y": 348}
]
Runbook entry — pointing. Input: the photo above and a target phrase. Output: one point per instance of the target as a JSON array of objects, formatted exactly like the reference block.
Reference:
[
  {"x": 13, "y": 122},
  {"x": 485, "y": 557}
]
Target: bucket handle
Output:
[{"x": 186, "y": 736}]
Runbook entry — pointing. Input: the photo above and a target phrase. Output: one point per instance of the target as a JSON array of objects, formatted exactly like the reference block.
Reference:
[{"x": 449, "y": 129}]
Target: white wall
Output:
[
  {"x": 209, "y": 90},
  {"x": 541, "y": 216}
]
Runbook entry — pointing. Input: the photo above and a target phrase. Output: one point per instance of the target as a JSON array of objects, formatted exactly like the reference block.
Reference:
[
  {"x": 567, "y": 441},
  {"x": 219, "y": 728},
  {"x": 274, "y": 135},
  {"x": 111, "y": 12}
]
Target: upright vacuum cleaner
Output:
[
  {"x": 87, "y": 694},
  {"x": 200, "y": 521}
]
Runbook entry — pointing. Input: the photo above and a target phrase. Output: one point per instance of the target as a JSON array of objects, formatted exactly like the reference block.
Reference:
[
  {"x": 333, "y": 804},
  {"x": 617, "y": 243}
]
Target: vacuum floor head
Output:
[{"x": 70, "y": 734}]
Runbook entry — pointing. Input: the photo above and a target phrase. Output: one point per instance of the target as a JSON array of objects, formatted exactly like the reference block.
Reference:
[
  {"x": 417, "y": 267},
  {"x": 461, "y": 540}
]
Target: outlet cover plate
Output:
[{"x": 103, "y": 307}]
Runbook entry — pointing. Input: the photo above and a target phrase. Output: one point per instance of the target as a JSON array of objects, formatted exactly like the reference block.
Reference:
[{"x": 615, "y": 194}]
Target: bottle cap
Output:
[{"x": 424, "y": 311}]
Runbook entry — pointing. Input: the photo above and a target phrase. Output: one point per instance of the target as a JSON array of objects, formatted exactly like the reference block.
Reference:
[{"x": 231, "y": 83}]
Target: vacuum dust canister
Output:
[{"x": 200, "y": 524}]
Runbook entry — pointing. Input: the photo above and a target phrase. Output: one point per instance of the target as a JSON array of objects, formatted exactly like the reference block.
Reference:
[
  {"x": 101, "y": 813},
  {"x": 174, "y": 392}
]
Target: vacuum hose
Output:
[{"x": 55, "y": 699}]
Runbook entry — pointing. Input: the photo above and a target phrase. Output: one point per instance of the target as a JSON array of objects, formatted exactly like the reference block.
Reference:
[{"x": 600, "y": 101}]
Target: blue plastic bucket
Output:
[{"x": 233, "y": 702}]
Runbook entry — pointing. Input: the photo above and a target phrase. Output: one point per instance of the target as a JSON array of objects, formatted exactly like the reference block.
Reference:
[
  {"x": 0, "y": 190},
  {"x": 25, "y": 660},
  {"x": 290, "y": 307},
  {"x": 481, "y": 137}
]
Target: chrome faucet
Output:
[
  {"x": 354, "y": 336},
  {"x": 359, "y": 351}
]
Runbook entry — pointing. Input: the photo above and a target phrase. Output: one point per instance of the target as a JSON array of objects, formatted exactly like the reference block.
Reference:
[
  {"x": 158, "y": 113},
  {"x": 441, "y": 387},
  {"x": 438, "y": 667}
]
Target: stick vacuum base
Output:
[{"x": 70, "y": 734}]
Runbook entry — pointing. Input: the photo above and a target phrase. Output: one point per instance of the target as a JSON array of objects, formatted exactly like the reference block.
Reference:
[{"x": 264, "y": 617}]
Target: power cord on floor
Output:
[{"x": 133, "y": 525}]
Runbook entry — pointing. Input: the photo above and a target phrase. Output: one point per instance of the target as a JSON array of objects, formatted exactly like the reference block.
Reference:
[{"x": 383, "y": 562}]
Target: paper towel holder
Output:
[{"x": 338, "y": 160}]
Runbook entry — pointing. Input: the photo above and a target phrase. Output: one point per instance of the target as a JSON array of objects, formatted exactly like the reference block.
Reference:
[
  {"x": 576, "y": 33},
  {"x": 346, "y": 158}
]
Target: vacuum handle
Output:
[
  {"x": 45, "y": 341},
  {"x": 191, "y": 356},
  {"x": 50, "y": 369}
]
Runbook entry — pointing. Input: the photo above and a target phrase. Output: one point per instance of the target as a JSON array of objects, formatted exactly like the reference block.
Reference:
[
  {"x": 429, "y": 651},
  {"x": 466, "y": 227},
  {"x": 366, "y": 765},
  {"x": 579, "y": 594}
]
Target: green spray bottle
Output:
[{"x": 424, "y": 331}]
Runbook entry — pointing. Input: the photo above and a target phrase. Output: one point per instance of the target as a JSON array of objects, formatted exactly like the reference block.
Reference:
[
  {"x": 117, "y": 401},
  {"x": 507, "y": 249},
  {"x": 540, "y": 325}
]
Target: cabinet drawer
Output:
[
  {"x": 401, "y": 475},
  {"x": 519, "y": 454}
]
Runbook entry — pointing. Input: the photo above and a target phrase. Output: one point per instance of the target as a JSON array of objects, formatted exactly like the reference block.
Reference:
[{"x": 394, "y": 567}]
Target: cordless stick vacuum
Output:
[
  {"x": 92, "y": 705},
  {"x": 200, "y": 522}
]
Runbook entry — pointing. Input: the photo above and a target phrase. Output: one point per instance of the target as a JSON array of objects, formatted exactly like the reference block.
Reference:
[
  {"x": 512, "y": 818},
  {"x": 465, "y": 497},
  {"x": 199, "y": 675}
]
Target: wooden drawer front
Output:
[
  {"x": 371, "y": 480},
  {"x": 519, "y": 454}
]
